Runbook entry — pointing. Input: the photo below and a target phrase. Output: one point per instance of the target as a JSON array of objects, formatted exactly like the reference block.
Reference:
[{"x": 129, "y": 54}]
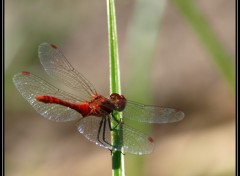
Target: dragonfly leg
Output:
[
  {"x": 111, "y": 129},
  {"x": 104, "y": 133},
  {"x": 99, "y": 131},
  {"x": 102, "y": 125},
  {"x": 116, "y": 120},
  {"x": 118, "y": 150}
]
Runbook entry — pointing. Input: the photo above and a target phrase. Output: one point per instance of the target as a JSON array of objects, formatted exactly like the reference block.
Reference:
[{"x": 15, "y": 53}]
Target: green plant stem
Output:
[
  {"x": 198, "y": 22},
  {"x": 117, "y": 156}
]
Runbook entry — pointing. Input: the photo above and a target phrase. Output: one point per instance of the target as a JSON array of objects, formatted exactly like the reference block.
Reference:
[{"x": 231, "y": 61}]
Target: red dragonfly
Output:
[{"x": 93, "y": 111}]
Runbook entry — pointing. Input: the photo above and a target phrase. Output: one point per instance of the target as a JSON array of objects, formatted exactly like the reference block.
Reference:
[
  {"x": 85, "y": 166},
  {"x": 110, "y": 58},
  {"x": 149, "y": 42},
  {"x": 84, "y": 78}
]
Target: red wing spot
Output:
[
  {"x": 25, "y": 73},
  {"x": 178, "y": 110},
  {"x": 53, "y": 46},
  {"x": 150, "y": 139}
]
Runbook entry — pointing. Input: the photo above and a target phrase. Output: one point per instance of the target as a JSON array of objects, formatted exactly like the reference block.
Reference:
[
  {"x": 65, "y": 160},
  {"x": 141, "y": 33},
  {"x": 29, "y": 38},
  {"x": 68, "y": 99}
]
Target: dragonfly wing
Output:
[
  {"x": 151, "y": 114},
  {"x": 31, "y": 86},
  {"x": 133, "y": 141},
  {"x": 89, "y": 127},
  {"x": 57, "y": 66}
]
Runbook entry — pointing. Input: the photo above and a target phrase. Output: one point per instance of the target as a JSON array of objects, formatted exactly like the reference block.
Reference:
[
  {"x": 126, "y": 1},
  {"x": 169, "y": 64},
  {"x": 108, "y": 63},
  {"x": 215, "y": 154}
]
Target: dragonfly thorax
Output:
[{"x": 101, "y": 106}]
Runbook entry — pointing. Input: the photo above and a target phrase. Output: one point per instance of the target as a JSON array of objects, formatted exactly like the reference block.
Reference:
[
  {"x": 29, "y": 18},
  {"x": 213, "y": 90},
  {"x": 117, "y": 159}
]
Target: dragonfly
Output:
[{"x": 93, "y": 113}]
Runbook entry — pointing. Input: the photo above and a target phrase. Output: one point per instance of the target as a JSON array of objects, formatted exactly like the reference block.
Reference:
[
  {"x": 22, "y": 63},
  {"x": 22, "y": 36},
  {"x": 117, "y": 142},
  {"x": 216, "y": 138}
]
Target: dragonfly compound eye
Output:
[{"x": 119, "y": 101}]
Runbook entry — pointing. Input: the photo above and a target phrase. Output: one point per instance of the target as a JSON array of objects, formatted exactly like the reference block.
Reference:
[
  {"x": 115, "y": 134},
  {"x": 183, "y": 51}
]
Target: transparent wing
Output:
[
  {"x": 89, "y": 127},
  {"x": 151, "y": 114},
  {"x": 133, "y": 141},
  {"x": 136, "y": 142},
  {"x": 57, "y": 66},
  {"x": 31, "y": 86}
]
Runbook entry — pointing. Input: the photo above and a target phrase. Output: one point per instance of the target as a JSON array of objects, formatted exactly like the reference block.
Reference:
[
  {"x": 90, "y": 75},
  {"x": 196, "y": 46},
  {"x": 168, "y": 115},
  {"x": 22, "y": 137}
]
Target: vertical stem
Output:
[{"x": 117, "y": 156}]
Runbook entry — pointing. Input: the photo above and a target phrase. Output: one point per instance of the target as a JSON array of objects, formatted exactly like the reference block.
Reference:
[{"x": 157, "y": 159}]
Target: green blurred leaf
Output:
[{"x": 219, "y": 55}]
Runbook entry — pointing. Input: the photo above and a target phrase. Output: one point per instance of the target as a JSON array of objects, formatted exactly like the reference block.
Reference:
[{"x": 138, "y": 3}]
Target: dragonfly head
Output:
[{"x": 119, "y": 101}]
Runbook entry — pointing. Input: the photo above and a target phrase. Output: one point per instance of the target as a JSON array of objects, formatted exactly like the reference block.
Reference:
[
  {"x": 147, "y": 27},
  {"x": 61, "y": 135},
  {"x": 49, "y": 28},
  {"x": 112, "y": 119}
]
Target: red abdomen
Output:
[{"x": 83, "y": 108}]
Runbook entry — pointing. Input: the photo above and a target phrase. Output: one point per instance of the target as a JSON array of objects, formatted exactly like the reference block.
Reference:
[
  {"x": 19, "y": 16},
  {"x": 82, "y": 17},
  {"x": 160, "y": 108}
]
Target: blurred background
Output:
[{"x": 168, "y": 57}]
